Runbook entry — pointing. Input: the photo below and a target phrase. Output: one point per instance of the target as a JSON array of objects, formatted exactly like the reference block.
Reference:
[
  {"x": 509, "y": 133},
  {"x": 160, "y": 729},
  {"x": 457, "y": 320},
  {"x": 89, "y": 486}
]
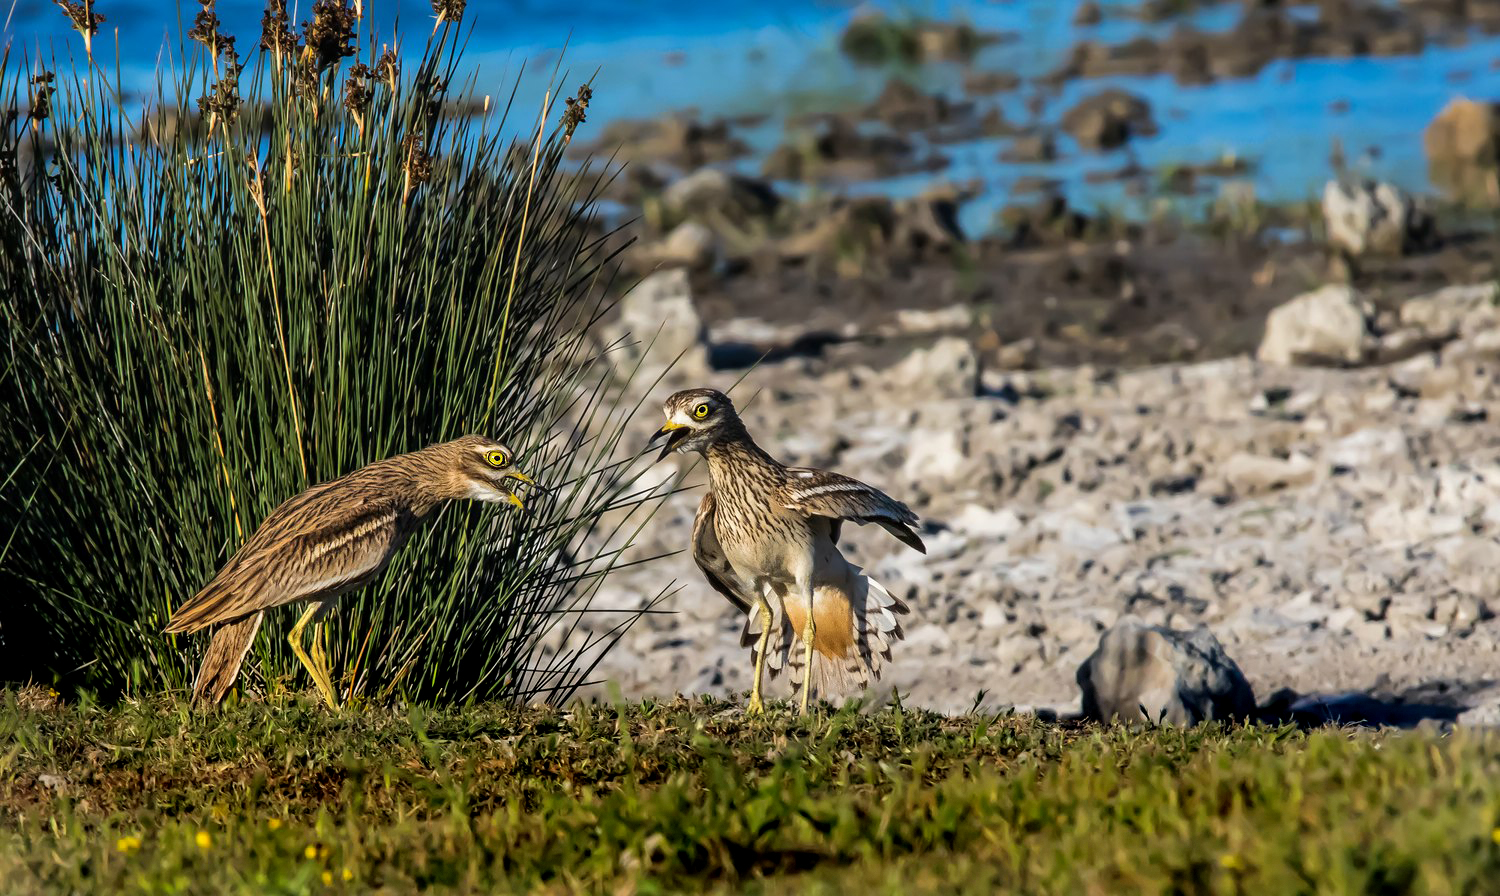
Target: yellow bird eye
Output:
[
  {"x": 701, "y": 411},
  {"x": 496, "y": 458}
]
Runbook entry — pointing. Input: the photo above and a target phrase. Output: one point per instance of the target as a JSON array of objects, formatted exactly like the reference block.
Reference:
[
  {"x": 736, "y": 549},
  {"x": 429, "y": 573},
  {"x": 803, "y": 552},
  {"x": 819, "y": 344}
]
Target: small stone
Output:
[{"x": 1249, "y": 474}]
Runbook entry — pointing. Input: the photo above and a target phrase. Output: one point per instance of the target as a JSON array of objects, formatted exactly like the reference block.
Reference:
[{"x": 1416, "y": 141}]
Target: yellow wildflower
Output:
[
  {"x": 1231, "y": 861},
  {"x": 128, "y": 844},
  {"x": 348, "y": 875},
  {"x": 274, "y": 824},
  {"x": 311, "y": 852},
  {"x": 1495, "y": 835},
  {"x": 203, "y": 840},
  {"x": 327, "y": 878}
]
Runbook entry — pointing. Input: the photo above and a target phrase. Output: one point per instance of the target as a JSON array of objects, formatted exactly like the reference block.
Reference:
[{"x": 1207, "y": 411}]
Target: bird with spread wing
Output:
[{"x": 766, "y": 537}]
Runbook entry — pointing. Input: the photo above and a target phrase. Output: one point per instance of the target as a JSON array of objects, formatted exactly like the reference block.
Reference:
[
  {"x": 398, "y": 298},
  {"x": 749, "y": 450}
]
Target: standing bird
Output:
[
  {"x": 330, "y": 539},
  {"x": 768, "y": 529}
]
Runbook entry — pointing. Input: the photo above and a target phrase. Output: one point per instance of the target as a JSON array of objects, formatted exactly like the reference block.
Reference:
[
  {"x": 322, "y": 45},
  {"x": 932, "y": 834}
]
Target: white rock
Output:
[
  {"x": 1328, "y": 324},
  {"x": 1369, "y": 217},
  {"x": 935, "y": 454},
  {"x": 1249, "y": 474},
  {"x": 949, "y": 368},
  {"x": 690, "y": 245},
  {"x": 1451, "y": 310},
  {"x": 982, "y": 522},
  {"x": 1366, "y": 448},
  {"x": 912, "y": 322}
]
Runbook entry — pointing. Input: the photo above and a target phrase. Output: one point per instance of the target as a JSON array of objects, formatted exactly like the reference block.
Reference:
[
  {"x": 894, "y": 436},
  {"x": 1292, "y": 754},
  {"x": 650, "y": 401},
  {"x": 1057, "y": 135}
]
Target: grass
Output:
[
  {"x": 691, "y": 796},
  {"x": 268, "y": 272}
]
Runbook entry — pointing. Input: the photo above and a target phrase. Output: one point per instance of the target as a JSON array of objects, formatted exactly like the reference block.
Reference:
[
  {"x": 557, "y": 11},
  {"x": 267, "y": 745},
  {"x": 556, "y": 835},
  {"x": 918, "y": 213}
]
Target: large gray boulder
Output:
[{"x": 1146, "y": 673}]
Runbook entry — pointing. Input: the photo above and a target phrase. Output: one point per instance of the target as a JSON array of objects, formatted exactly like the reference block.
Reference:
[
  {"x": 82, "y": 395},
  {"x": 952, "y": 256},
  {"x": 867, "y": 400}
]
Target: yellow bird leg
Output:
[
  {"x": 757, "y": 706},
  {"x": 808, "y": 632},
  {"x": 319, "y": 657},
  {"x": 318, "y": 670}
]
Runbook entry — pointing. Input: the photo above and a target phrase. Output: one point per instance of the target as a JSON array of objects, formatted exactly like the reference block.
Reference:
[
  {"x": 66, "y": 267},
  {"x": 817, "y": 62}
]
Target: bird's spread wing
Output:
[
  {"x": 710, "y": 558},
  {"x": 299, "y": 552},
  {"x": 821, "y": 493}
]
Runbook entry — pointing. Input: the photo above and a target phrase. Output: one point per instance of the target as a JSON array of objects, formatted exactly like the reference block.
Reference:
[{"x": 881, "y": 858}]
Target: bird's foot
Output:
[{"x": 756, "y": 706}]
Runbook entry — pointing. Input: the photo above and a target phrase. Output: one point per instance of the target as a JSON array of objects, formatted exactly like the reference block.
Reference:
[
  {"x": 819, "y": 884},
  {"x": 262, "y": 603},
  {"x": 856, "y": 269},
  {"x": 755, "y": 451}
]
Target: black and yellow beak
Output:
[
  {"x": 514, "y": 498},
  {"x": 674, "y": 432}
]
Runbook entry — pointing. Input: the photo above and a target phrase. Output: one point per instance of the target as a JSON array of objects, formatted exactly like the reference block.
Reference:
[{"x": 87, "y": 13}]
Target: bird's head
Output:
[
  {"x": 485, "y": 469},
  {"x": 696, "y": 418}
]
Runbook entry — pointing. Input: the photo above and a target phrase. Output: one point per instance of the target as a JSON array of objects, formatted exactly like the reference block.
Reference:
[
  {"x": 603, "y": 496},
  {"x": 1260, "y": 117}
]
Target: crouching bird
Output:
[
  {"x": 766, "y": 531},
  {"x": 333, "y": 538}
]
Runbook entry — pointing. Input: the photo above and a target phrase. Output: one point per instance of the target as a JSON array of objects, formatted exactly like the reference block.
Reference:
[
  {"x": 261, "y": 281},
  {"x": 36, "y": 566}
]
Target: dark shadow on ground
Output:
[{"x": 1440, "y": 701}]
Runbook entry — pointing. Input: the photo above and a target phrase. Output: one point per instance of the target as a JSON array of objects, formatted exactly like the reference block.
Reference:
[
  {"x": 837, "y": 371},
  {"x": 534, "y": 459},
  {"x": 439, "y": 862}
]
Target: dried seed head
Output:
[
  {"x": 418, "y": 165},
  {"x": 206, "y": 26},
  {"x": 576, "y": 112},
  {"x": 276, "y": 32},
  {"x": 357, "y": 89},
  {"x": 41, "y": 96},
  {"x": 223, "y": 102},
  {"x": 82, "y": 15},
  {"x": 330, "y": 34},
  {"x": 388, "y": 69},
  {"x": 449, "y": 10}
]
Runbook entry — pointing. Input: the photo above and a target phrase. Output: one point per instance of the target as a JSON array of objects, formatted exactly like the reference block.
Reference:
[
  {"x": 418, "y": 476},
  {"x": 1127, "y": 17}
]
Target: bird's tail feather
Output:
[
  {"x": 221, "y": 662},
  {"x": 857, "y": 621}
]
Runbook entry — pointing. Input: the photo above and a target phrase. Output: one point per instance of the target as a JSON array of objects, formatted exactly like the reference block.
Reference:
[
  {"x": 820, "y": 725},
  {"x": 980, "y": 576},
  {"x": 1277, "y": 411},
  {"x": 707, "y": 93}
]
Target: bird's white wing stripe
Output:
[
  {"x": 803, "y": 494},
  {"x": 372, "y": 524}
]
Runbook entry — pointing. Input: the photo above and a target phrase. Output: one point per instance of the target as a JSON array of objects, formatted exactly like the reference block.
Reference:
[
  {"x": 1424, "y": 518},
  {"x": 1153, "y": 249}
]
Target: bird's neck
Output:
[
  {"x": 421, "y": 480},
  {"x": 736, "y": 454}
]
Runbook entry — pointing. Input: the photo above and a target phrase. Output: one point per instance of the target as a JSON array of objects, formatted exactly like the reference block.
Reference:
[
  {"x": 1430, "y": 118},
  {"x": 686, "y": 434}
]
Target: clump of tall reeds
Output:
[{"x": 283, "y": 266}]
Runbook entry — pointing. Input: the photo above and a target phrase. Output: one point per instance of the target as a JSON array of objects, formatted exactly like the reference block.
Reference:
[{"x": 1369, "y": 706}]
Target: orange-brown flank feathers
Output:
[
  {"x": 333, "y": 538},
  {"x": 833, "y": 636}
]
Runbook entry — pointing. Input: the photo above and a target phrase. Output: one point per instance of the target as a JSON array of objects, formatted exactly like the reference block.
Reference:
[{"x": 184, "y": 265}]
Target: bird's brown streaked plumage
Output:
[
  {"x": 766, "y": 529},
  {"x": 330, "y": 539},
  {"x": 857, "y": 620}
]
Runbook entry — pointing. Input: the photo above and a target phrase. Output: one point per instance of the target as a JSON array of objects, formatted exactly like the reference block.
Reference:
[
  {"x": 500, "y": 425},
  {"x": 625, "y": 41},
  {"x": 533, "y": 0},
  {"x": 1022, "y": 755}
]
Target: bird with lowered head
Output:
[{"x": 329, "y": 540}]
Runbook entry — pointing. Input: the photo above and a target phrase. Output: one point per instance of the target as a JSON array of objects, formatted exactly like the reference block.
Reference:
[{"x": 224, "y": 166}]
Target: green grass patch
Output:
[{"x": 693, "y": 796}]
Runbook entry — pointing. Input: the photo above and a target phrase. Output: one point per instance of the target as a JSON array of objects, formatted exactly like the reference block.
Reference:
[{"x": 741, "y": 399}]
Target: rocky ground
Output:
[
  {"x": 1336, "y": 528},
  {"x": 1274, "y": 421}
]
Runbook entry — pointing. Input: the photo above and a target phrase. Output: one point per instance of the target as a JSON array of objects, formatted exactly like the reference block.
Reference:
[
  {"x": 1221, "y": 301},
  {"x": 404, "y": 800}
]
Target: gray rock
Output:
[
  {"x": 949, "y": 368},
  {"x": 711, "y": 192},
  {"x": 1373, "y": 218},
  {"x": 690, "y": 245},
  {"x": 1331, "y": 324},
  {"x": 1453, "y": 310},
  {"x": 1108, "y": 119},
  {"x": 1146, "y": 673},
  {"x": 658, "y": 323}
]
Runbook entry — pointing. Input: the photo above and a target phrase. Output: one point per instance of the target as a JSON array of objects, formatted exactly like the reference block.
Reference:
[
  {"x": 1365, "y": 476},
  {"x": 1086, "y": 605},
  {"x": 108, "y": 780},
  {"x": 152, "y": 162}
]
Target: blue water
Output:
[{"x": 779, "y": 58}]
